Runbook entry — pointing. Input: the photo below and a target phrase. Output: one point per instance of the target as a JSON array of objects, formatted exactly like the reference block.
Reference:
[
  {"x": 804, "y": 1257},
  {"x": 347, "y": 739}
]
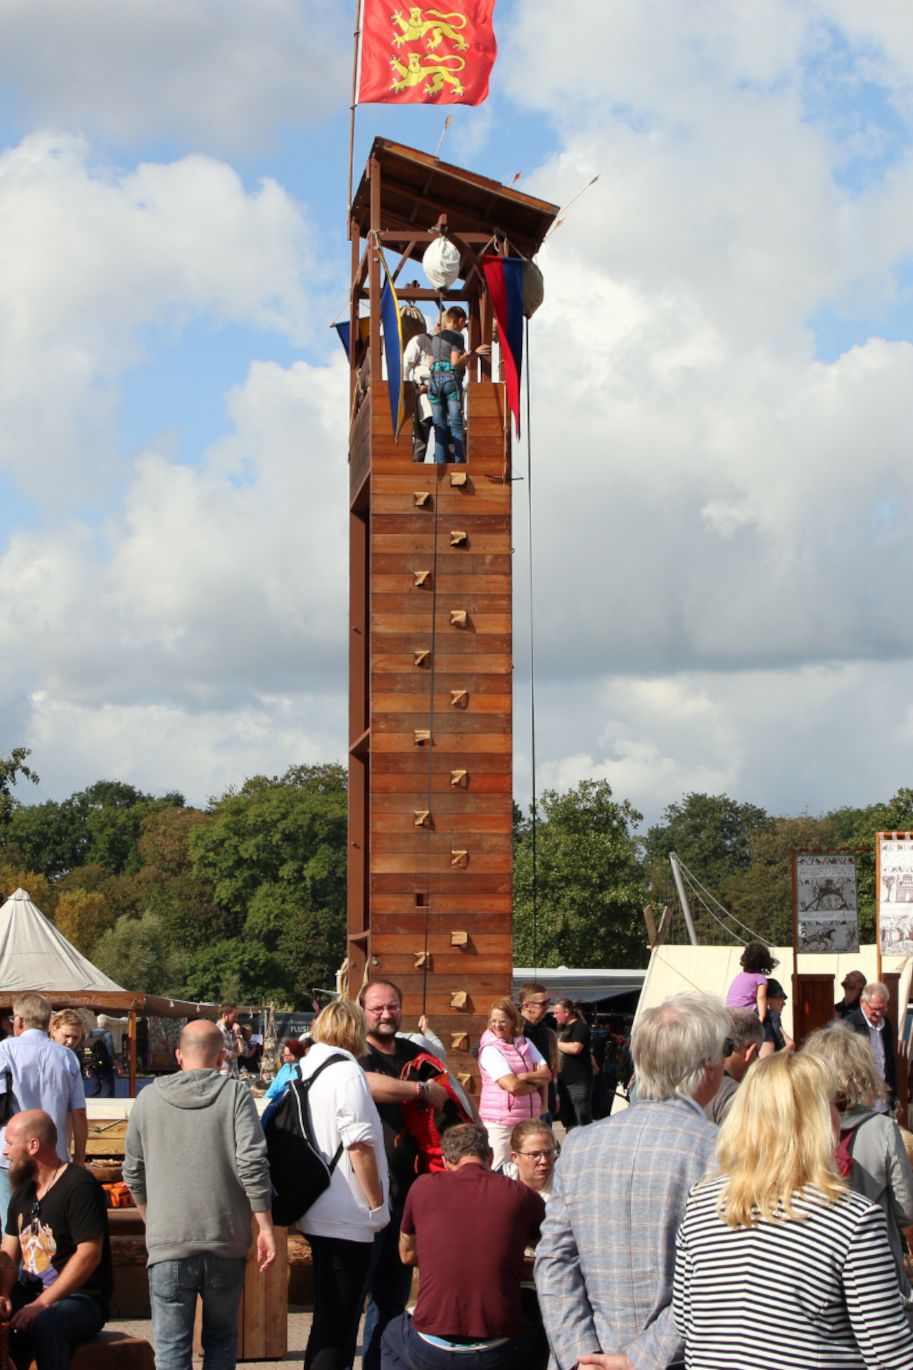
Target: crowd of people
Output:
[{"x": 639, "y": 1242}]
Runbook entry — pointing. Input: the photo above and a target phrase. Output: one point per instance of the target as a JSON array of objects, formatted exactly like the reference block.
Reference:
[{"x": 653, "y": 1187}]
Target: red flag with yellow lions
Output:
[{"x": 422, "y": 56}]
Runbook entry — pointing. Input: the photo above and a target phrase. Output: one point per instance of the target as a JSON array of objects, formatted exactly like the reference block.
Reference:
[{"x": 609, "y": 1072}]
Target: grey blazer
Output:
[{"x": 605, "y": 1263}]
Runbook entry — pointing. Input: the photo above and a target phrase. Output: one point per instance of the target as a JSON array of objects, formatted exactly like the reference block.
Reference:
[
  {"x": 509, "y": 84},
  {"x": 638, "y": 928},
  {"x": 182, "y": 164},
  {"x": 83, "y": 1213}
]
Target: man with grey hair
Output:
[
  {"x": 870, "y": 1020},
  {"x": 605, "y": 1262},
  {"x": 743, "y": 1045},
  {"x": 42, "y": 1075}
]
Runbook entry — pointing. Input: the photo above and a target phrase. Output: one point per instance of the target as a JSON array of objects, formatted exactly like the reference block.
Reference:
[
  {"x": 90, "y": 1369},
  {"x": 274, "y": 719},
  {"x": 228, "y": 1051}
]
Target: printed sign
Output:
[
  {"x": 895, "y": 894},
  {"x": 826, "y": 902}
]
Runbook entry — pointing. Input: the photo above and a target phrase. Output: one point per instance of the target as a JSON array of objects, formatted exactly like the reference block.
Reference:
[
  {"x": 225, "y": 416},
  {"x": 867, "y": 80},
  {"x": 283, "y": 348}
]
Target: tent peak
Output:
[{"x": 20, "y": 893}]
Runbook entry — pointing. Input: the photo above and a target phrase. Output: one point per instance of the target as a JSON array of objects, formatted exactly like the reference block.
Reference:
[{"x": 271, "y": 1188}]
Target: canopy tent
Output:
[
  {"x": 35, "y": 956},
  {"x": 584, "y": 986}
]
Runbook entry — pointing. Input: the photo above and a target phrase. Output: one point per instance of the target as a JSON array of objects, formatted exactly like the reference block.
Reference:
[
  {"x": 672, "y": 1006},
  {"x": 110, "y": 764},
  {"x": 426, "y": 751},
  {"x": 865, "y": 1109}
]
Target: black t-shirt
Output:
[
  {"x": 49, "y": 1230},
  {"x": 471, "y": 1228},
  {"x": 401, "y": 1149},
  {"x": 539, "y": 1034},
  {"x": 575, "y": 1069}
]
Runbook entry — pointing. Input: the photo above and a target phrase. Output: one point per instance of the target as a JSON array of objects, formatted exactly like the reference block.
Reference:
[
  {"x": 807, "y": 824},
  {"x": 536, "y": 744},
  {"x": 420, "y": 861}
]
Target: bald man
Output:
[
  {"x": 195, "y": 1163},
  {"x": 57, "y": 1226}
]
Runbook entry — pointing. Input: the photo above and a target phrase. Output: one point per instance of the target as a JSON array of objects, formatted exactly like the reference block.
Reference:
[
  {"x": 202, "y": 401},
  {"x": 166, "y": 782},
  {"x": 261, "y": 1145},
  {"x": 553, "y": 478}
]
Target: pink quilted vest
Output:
[{"x": 495, "y": 1104}]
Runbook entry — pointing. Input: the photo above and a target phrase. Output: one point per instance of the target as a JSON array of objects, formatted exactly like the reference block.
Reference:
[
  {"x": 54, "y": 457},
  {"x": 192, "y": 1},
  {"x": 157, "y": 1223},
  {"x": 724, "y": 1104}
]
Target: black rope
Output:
[
  {"x": 532, "y": 660},
  {"x": 433, "y": 672}
]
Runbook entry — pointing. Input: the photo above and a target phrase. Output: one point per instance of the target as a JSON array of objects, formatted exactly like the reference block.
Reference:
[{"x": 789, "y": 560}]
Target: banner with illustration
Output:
[
  {"x": 826, "y": 915},
  {"x": 895, "y": 893}
]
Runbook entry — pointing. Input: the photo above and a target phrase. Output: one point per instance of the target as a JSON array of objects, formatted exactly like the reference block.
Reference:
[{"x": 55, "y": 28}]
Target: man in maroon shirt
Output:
[{"x": 467, "y": 1230}]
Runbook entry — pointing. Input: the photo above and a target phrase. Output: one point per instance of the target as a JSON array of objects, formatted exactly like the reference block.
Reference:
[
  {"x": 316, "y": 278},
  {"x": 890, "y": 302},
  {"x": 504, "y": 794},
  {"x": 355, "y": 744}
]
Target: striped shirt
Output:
[{"x": 818, "y": 1293}]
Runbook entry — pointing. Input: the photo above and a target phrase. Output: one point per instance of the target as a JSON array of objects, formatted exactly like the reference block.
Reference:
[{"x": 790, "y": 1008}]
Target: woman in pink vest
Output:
[{"x": 513, "y": 1076}]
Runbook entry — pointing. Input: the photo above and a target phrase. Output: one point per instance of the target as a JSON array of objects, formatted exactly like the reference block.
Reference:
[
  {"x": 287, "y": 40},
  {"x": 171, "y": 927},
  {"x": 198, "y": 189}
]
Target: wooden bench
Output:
[{"x": 110, "y": 1351}]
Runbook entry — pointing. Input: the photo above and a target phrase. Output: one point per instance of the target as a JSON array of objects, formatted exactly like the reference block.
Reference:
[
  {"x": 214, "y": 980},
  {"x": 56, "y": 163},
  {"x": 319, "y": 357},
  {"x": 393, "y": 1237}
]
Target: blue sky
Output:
[{"x": 721, "y": 409}]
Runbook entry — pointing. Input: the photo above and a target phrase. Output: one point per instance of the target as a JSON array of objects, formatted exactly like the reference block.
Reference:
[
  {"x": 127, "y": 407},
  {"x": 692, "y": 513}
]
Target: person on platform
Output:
[
  {"x": 445, "y": 385},
  {"x": 605, "y": 1262},
  {"x": 467, "y": 1230},
  {"x": 575, "y": 1066},
  {"x": 749, "y": 988},
  {"x": 870, "y": 1020},
  {"x": 417, "y": 361},
  {"x": 389, "y": 1280},
  {"x": 852, "y": 984},
  {"x": 57, "y": 1279},
  {"x": 514, "y": 1077},
  {"x": 776, "y": 1038},
  {"x": 45, "y": 1076},
  {"x": 195, "y": 1163},
  {"x": 534, "y": 1005},
  {"x": 743, "y": 1044}
]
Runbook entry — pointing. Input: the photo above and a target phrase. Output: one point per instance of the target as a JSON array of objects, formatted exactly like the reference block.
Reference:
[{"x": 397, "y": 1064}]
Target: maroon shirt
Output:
[{"x": 471, "y": 1227}]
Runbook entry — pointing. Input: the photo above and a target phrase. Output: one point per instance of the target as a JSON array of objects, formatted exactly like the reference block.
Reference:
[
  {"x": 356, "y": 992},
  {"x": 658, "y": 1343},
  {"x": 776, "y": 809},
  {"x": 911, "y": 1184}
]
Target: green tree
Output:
[
  {"x": 241, "y": 971},
  {"x": 38, "y": 886},
  {"x": 12, "y": 768},
  {"x": 710, "y": 832},
  {"x": 138, "y": 954},
  {"x": 50, "y": 837},
  {"x": 589, "y": 882},
  {"x": 274, "y": 856},
  {"x": 760, "y": 894}
]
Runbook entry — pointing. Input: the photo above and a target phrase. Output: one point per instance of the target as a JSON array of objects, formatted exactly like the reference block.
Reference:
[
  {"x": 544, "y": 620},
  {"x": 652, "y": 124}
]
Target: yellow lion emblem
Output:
[
  {"x": 416, "y": 26},
  {"x": 435, "y": 73}
]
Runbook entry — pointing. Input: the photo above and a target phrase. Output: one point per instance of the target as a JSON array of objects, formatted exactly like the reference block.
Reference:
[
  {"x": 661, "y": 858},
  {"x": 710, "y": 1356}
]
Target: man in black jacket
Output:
[{"x": 870, "y": 1020}]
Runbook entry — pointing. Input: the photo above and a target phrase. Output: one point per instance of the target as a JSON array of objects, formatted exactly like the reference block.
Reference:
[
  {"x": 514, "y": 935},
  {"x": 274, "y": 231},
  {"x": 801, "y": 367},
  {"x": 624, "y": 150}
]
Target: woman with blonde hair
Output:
[
  {"x": 66, "y": 1028},
  {"x": 341, "y": 1224},
  {"x": 775, "y": 1251},
  {"x": 513, "y": 1077},
  {"x": 872, "y": 1150}
]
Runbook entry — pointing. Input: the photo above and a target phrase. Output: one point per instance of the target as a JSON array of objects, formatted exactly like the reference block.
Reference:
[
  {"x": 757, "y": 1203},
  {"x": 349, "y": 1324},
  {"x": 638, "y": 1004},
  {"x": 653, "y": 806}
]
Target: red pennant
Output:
[{"x": 422, "y": 56}]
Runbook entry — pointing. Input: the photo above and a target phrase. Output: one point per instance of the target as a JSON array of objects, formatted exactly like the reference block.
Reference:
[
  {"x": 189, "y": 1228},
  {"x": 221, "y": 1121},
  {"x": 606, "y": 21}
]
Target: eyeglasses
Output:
[
  {"x": 536, "y": 1003},
  {"x": 538, "y": 1155},
  {"x": 383, "y": 1008}
]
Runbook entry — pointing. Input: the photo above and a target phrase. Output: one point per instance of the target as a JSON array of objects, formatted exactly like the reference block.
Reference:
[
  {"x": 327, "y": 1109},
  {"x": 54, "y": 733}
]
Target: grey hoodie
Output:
[{"x": 196, "y": 1156}]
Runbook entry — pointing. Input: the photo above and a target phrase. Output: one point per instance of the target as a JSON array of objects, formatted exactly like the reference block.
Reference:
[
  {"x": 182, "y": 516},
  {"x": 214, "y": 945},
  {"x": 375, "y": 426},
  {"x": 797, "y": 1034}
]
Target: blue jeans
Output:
[
  {"x": 404, "y": 1349},
  {"x": 389, "y": 1283},
  {"x": 173, "y": 1290},
  {"x": 54, "y": 1332},
  {"x": 447, "y": 416}
]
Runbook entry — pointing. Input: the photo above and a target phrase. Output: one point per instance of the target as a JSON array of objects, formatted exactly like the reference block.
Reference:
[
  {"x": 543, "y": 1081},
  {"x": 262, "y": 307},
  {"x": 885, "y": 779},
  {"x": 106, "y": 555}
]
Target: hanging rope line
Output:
[
  {"x": 532, "y": 659},
  {"x": 707, "y": 900},
  {"x": 430, "y": 795}
]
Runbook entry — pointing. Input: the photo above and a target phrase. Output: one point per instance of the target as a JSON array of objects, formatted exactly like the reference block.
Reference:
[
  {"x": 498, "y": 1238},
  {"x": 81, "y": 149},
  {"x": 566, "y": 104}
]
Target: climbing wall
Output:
[{"x": 438, "y": 782}]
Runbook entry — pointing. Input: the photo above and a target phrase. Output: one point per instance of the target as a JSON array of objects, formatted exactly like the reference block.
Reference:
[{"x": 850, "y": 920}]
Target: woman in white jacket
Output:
[{"x": 341, "y": 1224}]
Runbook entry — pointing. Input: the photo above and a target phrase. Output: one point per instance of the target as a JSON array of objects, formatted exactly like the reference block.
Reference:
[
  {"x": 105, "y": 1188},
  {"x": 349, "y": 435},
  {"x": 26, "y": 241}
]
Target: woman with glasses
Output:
[
  {"x": 513, "y": 1075},
  {"x": 777, "y": 1262},
  {"x": 532, "y": 1156}
]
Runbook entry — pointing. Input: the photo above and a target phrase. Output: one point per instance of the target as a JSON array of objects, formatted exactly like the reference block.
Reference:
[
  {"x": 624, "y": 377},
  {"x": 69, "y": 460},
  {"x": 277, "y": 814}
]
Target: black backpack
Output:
[{"x": 298, "y": 1172}]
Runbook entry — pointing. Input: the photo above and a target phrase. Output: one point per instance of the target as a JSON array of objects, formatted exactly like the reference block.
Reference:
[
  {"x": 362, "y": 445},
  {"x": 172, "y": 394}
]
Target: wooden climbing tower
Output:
[{"x": 430, "y": 716}]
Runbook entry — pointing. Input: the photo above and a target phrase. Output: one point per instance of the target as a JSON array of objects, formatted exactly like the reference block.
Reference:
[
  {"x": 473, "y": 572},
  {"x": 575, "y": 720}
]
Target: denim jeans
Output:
[
  {"x": 404, "y": 1349},
  {"x": 447, "y": 416},
  {"x": 173, "y": 1290},
  {"x": 389, "y": 1283},
  {"x": 53, "y": 1333}
]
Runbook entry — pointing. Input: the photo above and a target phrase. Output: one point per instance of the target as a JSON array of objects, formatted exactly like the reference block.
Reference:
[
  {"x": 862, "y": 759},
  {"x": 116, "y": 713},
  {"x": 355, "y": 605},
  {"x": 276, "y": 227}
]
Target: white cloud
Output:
[
  {"x": 93, "y": 257},
  {"x": 218, "y": 74}
]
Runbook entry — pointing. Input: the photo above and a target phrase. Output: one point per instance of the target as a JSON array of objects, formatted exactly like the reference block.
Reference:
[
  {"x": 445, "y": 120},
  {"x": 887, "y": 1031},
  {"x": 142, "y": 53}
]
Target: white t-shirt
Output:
[
  {"x": 493, "y": 1062},
  {"x": 342, "y": 1110}
]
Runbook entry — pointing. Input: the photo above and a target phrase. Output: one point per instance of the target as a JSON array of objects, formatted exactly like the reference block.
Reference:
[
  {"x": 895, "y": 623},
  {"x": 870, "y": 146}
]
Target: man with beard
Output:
[
  {"x": 57, "y": 1226},
  {"x": 389, "y": 1280}
]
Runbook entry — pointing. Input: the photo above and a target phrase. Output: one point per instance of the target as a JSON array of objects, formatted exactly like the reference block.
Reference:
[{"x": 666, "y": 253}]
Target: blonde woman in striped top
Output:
[{"x": 777, "y": 1262}]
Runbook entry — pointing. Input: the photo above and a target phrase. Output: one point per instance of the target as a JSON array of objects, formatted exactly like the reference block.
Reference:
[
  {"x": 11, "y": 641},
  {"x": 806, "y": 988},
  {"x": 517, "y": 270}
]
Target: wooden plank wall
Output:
[{"x": 440, "y": 582}]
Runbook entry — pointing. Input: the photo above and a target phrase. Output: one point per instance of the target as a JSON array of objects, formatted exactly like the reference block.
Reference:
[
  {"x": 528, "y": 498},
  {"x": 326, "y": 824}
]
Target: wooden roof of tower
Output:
[{"x": 416, "y": 188}]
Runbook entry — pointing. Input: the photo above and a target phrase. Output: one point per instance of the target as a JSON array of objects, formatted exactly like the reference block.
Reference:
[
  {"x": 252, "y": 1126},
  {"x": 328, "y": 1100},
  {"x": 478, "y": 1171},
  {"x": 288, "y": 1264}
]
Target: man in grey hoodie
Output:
[{"x": 195, "y": 1163}]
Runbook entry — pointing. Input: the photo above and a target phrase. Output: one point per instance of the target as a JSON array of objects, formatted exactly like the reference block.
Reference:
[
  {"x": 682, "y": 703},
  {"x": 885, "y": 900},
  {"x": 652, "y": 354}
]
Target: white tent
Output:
[{"x": 35, "y": 956}]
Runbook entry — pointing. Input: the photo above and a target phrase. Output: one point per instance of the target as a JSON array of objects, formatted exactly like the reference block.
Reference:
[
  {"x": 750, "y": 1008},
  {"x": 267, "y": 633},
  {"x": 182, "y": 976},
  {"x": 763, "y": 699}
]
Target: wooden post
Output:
[{"x": 131, "y": 1052}]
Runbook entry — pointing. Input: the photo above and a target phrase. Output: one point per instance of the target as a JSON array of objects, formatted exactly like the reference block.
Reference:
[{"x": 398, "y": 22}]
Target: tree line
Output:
[{"x": 246, "y": 898}]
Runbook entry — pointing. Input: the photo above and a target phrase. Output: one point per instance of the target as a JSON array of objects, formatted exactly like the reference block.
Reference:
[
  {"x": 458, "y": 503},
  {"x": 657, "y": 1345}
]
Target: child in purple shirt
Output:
[{"x": 749, "y": 988}]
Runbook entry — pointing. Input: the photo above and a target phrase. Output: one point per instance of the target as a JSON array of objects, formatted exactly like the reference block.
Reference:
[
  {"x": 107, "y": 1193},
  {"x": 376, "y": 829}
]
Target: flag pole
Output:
[{"x": 356, "y": 37}]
